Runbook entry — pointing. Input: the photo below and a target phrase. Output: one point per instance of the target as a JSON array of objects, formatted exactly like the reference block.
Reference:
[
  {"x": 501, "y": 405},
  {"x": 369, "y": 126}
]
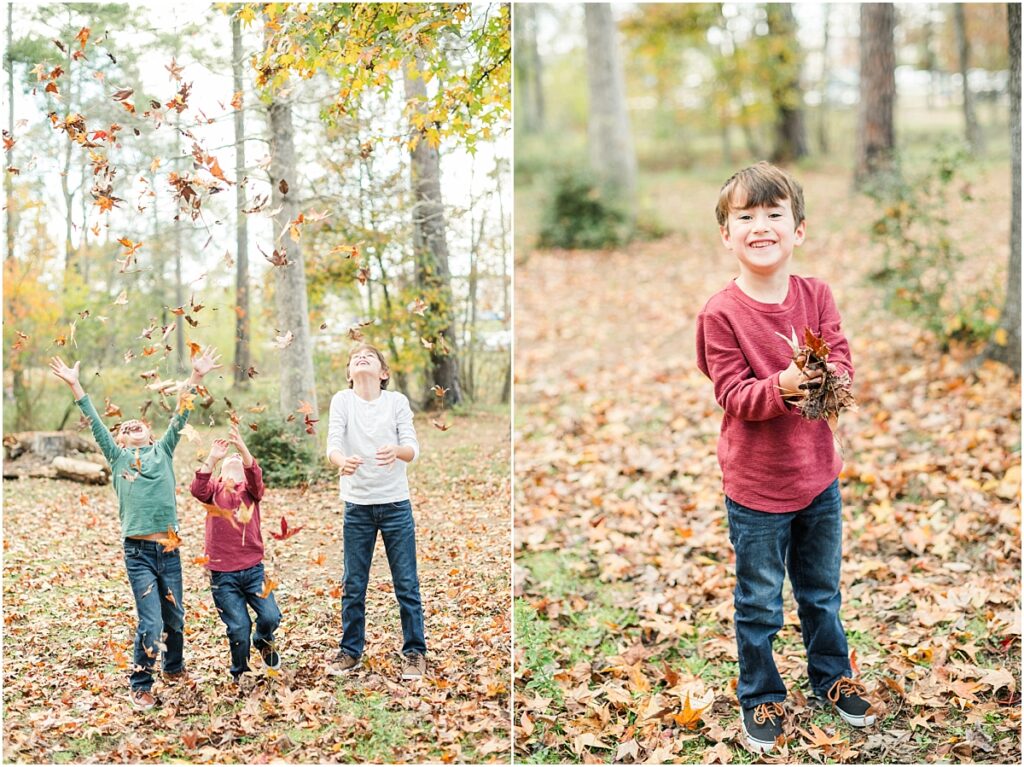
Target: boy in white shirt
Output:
[{"x": 370, "y": 439}]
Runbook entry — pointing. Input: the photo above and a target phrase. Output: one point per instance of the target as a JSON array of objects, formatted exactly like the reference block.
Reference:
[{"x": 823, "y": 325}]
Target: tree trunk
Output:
[
  {"x": 608, "y": 131},
  {"x": 963, "y": 44},
  {"x": 242, "y": 356},
  {"x": 179, "y": 293},
  {"x": 297, "y": 378},
  {"x": 823, "y": 89},
  {"x": 790, "y": 132},
  {"x": 875, "y": 135},
  {"x": 9, "y": 177},
  {"x": 1009, "y": 352},
  {"x": 528, "y": 68},
  {"x": 506, "y": 284},
  {"x": 430, "y": 245},
  {"x": 65, "y": 176}
]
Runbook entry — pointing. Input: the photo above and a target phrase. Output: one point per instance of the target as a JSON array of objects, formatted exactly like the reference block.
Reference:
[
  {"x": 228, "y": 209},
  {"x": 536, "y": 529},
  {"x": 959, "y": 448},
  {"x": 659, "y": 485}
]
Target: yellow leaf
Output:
[{"x": 1000, "y": 337}]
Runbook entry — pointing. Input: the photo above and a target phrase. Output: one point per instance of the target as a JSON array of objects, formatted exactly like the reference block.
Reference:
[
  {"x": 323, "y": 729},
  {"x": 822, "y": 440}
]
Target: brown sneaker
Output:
[
  {"x": 414, "y": 667},
  {"x": 142, "y": 699},
  {"x": 343, "y": 664}
]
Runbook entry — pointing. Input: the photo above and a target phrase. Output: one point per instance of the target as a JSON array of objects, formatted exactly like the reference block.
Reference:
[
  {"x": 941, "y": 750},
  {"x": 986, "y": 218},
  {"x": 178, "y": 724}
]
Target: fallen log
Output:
[{"x": 81, "y": 471}]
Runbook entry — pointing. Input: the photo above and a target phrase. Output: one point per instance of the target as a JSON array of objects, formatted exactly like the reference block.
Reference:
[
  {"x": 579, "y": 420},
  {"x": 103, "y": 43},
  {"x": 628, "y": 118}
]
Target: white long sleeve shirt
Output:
[{"x": 359, "y": 427}]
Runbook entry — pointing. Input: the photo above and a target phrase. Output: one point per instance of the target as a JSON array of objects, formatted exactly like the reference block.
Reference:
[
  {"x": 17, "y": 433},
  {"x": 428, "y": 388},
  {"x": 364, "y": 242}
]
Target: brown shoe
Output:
[
  {"x": 414, "y": 667},
  {"x": 142, "y": 699},
  {"x": 343, "y": 664}
]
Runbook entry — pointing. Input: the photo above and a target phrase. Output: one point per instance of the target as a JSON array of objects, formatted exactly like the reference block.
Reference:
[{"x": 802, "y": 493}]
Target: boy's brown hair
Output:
[
  {"x": 383, "y": 362},
  {"x": 760, "y": 184}
]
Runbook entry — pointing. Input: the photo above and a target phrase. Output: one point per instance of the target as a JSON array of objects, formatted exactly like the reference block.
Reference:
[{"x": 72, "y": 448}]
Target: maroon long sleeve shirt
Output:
[
  {"x": 772, "y": 458},
  {"x": 230, "y": 544}
]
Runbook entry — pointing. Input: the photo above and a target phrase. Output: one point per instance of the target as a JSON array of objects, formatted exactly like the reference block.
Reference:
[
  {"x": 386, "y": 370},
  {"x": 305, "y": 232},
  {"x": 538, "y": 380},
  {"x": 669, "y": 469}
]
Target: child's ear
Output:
[
  {"x": 800, "y": 233},
  {"x": 724, "y": 232}
]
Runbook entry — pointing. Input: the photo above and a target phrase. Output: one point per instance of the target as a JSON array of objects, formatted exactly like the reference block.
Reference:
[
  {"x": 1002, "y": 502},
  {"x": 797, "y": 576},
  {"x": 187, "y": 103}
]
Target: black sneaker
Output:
[
  {"x": 847, "y": 696},
  {"x": 762, "y": 725},
  {"x": 271, "y": 658}
]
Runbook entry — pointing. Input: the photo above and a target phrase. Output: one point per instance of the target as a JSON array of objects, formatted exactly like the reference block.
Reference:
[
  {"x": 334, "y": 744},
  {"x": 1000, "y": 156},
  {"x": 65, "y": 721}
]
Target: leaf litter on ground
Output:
[{"x": 621, "y": 541}]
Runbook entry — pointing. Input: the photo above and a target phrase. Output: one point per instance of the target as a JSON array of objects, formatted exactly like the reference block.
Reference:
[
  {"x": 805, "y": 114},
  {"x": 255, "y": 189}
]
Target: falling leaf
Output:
[
  {"x": 283, "y": 186},
  {"x": 268, "y": 586},
  {"x": 309, "y": 423},
  {"x": 304, "y": 408},
  {"x": 440, "y": 424},
  {"x": 174, "y": 69},
  {"x": 112, "y": 411},
  {"x": 286, "y": 532},
  {"x": 439, "y": 391},
  {"x": 171, "y": 542},
  {"x": 427, "y": 344},
  {"x": 170, "y": 596},
  {"x": 284, "y": 341},
  {"x": 236, "y": 100},
  {"x": 419, "y": 306},
  {"x": 122, "y": 298}
]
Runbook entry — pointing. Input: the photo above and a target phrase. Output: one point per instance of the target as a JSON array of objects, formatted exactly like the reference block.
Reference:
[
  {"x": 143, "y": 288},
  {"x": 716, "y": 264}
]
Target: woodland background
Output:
[
  {"x": 278, "y": 181},
  {"x": 902, "y": 122}
]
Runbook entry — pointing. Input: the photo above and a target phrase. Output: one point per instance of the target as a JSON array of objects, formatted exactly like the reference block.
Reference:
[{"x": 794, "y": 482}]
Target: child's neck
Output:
[
  {"x": 766, "y": 288},
  {"x": 366, "y": 388}
]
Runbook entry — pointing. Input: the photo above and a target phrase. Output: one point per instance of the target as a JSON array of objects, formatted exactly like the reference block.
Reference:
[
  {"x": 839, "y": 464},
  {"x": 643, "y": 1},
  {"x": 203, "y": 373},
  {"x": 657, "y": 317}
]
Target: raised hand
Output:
[
  {"x": 63, "y": 372},
  {"x": 235, "y": 438},
  {"x": 218, "y": 450},
  {"x": 205, "y": 362}
]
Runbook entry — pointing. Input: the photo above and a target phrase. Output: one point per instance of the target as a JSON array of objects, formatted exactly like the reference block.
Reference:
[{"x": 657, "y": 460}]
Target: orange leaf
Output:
[
  {"x": 82, "y": 36},
  {"x": 268, "y": 586},
  {"x": 688, "y": 717},
  {"x": 236, "y": 100},
  {"x": 171, "y": 542},
  {"x": 305, "y": 408},
  {"x": 201, "y": 561}
]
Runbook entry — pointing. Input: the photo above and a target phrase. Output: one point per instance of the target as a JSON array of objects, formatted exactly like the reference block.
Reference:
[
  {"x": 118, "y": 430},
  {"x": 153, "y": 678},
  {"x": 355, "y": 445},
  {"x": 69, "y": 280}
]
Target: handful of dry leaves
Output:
[{"x": 824, "y": 397}]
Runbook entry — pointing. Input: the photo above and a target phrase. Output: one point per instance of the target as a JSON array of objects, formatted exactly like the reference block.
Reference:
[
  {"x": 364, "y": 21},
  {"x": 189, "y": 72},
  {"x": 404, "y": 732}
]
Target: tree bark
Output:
[
  {"x": 825, "y": 74},
  {"x": 242, "y": 356},
  {"x": 788, "y": 96},
  {"x": 297, "y": 377},
  {"x": 608, "y": 131},
  {"x": 529, "y": 68},
  {"x": 875, "y": 134},
  {"x": 430, "y": 245},
  {"x": 1009, "y": 322},
  {"x": 963, "y": 44}
]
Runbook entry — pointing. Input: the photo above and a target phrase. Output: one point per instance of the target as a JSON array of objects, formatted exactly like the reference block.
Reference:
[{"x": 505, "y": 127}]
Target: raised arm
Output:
[
  {"x": 69, "y": 375},
  {"x": 202, "y": 485},
  {"x": 253, "y": 472}
]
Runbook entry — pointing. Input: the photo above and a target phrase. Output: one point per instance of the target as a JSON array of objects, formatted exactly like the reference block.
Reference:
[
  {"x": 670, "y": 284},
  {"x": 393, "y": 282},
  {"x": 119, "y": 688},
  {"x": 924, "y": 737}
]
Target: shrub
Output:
[
  {"x": 287, "y": 457},
  {"x": 579, "y": 216}
]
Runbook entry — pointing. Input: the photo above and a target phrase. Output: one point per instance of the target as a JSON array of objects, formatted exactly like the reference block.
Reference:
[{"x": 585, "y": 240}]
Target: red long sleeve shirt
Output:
[
  {"x": 772, "y": 458},
  {"x": 230, "y": 545}
]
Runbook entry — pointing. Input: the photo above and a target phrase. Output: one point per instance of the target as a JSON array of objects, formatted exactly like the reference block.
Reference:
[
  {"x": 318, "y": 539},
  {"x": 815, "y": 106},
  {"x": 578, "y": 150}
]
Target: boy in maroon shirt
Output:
[
  {"x": 780, "y": 470},
  {"x": 234, "y": 549}
]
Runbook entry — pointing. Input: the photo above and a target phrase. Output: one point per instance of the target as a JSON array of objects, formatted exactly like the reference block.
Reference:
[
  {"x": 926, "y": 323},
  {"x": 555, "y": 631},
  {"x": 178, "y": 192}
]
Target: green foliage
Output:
[
  {"x": 288, "y": 458},
  {"x": 921, "y": 252},
  {"x": 578, "y": 216}
]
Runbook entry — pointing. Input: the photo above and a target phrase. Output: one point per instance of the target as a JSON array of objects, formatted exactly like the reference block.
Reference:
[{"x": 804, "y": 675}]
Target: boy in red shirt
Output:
[
  {"x": 780, "y": 471},
  {"x": 234, "y": 548}
]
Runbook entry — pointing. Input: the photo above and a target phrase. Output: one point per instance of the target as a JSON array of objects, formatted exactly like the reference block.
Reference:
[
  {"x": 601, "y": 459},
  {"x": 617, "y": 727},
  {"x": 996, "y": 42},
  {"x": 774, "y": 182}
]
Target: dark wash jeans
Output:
[
  {"x": 396, "y": 526},
  {"x": 233, "y": 594},
  {"x": 153, "y": 574},
  {"x": 809, "y": 543}
]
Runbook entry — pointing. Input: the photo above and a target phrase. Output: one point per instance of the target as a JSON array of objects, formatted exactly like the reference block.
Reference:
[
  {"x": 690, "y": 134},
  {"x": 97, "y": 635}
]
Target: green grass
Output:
[{"x": 389, "y": 728}]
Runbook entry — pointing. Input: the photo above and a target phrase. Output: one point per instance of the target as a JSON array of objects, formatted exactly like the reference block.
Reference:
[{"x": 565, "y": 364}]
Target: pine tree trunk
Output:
[
  {"x": 963, "y": 44},
  {"x": 875, "y": 134},
  {"x": 297, "y": 377},
  {"x": 242, "y": 356},
  {"x": 790, "y": 132},
  {"x": 430, "y": 245},
  {"x": 608, "y": 131},
  {"x": 1009, "y": 352}
]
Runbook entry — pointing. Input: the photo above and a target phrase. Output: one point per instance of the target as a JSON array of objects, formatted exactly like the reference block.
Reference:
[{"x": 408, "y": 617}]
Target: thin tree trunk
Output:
[
  {"x": 65, "y": 176},
  {"x": 9, "y": 177},
  {"x": 608, "y": 131},
  {"x": 179, "y": 293},
  {"x": 243, "y": 359},
  {"x": 297, "y": 376},
  {"x": 1009, "y": 322},
  {"x": 823, "y": 89},
  {"x": 506, "y": 286},
  {"x": 963, "y": 44},
  {"x": 875, "y": 135},
  {"x": 431, "y": 247},
  {"x": 790, "y": 133}
]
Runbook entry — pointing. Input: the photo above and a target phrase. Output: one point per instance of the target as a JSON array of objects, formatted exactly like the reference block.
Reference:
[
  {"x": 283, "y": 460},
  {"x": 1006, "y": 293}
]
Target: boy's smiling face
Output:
[
  {"x": 763, "y": 237},
  {"x": 134, "y": 433},
  {"x": 366, "y": 363}
]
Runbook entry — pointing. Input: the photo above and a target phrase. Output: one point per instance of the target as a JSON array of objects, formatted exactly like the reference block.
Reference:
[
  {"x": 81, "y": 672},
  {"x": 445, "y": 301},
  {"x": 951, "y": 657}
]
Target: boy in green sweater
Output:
[{"x": 143, "y": 477}]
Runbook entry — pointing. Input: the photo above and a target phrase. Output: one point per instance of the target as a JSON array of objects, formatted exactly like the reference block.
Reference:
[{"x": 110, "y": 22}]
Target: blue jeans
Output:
[
  {"x": 809, "y": 543},
  {"x": 233, "y": 594},
  {"x": 154, "y": 574},
  {"x": 394, "y": 521}
]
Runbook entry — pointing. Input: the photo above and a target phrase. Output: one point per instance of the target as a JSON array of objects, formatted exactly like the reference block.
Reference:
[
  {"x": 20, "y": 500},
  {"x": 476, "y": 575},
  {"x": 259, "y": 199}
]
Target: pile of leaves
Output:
[{"x": 69, "y": 623}]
